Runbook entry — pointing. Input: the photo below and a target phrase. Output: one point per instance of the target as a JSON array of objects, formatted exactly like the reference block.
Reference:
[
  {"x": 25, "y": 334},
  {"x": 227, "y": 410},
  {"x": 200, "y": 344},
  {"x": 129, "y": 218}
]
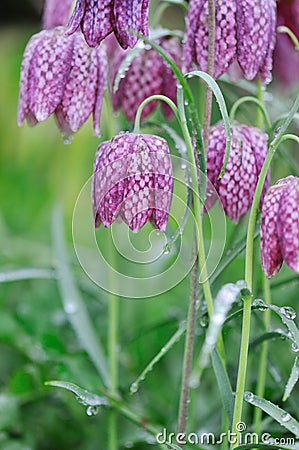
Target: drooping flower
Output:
[
  {"x": 147, "y": 75},
  {"x": 61, "y": 75},
  {"x": 237, "y": 186},
  {"x": 98, "y": 18},
  {"x": 286, "y": 57},
  {"x": 280, "y": 226},
  {"x": 245, "y": 32},
  {"x": 132, "y": 181},
  {"x": 56, "y": 13}
]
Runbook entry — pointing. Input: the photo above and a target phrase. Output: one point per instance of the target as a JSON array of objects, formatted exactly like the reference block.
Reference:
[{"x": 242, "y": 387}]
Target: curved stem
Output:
[
  {"x": 246, "y": 99},
  {"x": 248, "y": 269},
  {"x": 283, "y": 29},
  {"x": 289, "y": 137},
  {"x": 163, "y": 98}
]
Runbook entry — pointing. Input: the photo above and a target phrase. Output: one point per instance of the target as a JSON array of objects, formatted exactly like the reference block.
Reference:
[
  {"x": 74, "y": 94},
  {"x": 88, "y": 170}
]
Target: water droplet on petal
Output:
[{"x": 67, "y": 140}]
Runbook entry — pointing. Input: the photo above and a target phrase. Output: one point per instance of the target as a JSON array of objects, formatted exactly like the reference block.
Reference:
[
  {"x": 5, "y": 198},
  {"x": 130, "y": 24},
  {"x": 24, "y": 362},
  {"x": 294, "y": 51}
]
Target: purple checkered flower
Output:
[
  {"x": 147, "y": 75},
  {"x": 245, "y": 32},
  {"x": 280, "y": 226},
  {"x": 56, "y": 13},
  {"x": 98, "y": 18},
  {"x": 237, "y": 186},
  {"x": 61, "y": 75},
  {"x": 132, "y": 181}
]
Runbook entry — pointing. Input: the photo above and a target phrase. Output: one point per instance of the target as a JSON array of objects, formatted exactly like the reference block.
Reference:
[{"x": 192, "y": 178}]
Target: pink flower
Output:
[
  {"x": 98, "y": 18},
  {"x": 280, "y": 227},
  {"x": 237, "y": 186},
  {"x": 245, "y": 32},
  {"x": 56, "y": 13},
  {"x": 147, "y": 75},
  {"x": 132, "y": 181},
  {"x": 61, "y": 75}
]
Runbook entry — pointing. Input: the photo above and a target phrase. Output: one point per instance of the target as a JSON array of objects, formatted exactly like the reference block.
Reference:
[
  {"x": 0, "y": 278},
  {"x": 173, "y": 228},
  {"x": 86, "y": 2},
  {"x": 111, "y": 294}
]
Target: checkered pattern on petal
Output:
[
  {"x": 128, "y": 16},
  {"x": 270, "y": 249},
  {"x": 197, "y": 36},
  {"x": 94, "y": 17},
  {"x": 48, "y": 72},
  {"x": 237, "y": 186},
  {"x": 255, "y": 32},
  {"x": 132, "y": 180},
  {"x": 56, "y": 13},
  {"x": 288, "y": 223}
]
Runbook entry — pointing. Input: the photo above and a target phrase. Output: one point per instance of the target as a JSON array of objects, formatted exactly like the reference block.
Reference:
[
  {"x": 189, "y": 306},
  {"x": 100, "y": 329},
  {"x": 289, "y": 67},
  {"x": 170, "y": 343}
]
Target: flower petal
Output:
[
  {"x": 49, "y": 69},
  {"x": 94, "y": 17},
  {"x": 270, "y": 248},
  {"x": 288, "y": 223},
  {"x": 254, "y": 35},
  {"x": 128, "y": 16},
  {"x": 23, "y": 107},
  {"x": 56, "y": 13}
]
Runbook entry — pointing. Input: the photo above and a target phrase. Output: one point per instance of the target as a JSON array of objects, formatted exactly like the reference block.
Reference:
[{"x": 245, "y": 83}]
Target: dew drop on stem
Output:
[{"x": 248, "y": 396}]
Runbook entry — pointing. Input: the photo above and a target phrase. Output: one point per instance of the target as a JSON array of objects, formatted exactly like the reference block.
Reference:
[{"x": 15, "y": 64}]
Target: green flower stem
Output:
[
  {"x": 113, "y": 317},
  {"x": 248, "y": 268},
  {"x": 200, "y": 266},
  {"x": 162, "y": 98},
  {"x": 247, "y": 99},
  {"x": 286, "y": 30},
  {"x": 289, "y": 137},
  {"x": 260, "y": 391}
]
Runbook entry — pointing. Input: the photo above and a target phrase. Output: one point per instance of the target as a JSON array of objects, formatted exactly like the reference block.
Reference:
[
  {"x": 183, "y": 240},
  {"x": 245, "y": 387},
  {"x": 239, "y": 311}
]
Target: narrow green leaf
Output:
[
  {"x": 223, "y": 109},
  {"x": 224, "y": 386},
  {"x": 280, "y": 415},
  {"x": 292, "y": 380},
  {"x": 83, "y": 396},
  {"x": 73, "y": 303},
  {"x": 26, "y": 274},
  {"x": 175, "y": 338}
]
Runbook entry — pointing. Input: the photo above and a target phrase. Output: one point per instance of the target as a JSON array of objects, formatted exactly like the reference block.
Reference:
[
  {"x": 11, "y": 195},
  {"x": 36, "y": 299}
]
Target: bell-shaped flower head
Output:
[
  {"x": 280, "y": 227},
  {"x": 245, "y": 32},
  {"x": 147, "y": 75},
  {"x": 132, "y": 181},
  {"x": 98, "y": 18},
  {"x": 237, "y": 186},
  {"x": 60, "y": 74}
]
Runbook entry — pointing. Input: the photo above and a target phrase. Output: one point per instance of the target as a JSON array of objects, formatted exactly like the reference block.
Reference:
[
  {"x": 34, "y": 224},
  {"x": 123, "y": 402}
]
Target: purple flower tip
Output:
[
  {"x": 132, "y": 181},
  {"x": 237, "y": 186},
  {"x": 98, "y": 18},
  {"x": 61, "y": 75},
  {"x": 280, "y": 227}
]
